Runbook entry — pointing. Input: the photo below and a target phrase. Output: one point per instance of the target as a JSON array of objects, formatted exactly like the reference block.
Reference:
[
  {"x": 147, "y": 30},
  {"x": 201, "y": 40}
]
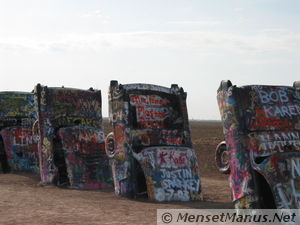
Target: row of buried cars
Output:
[{"x": 58, "y": 133}]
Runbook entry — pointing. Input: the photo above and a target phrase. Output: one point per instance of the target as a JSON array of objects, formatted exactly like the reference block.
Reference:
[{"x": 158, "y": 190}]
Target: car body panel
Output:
[
  {"x": 261, "y": 125},
  {"x": 282, "y": 172},
  {"x": 87, "y": 163},
  {"x": 21, "y": 149},
  {"x": 171, "y": 173},
  {"x": 149, "y": 120},
  {"x": 60, "y": 109},
  {"x": 17, "y": 115}
]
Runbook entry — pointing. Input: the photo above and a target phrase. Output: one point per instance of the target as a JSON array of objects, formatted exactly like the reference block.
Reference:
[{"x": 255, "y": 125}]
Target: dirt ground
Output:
[{"x": 24, "y": 201}]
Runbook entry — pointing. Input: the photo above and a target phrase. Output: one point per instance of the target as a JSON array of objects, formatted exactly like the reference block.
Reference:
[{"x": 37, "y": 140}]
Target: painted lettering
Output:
[
  {"x": 295, "y": 167},
  {"x": 273, "y": 96},
  {"x": 281, "y": 111}
]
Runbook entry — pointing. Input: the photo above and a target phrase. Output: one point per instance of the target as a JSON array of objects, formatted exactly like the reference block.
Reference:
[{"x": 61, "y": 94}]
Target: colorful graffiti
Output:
[
  {"x": 16, "y": 105},
  {"x": 84, "y": 146},
  {"x": 18, "y": 144},
  {"x": 171, "y": 173},
  {"x": 153, "y": 153},
  {"x": 21, "y": 149},
  {"x": 273, "y": 108},
  {"x": 151, "y": 110},
  {"x": 71, "y": 142},
  {"x": 283, "y": 171},
  {"x": 262, "y": 132},
  {"x": 155, "y": 111}
]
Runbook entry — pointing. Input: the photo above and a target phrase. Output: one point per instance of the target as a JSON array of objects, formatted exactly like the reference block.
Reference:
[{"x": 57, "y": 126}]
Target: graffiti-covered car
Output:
[
  {"x": 261, "y": 124},
  {"x": 71, "y": 139},
  {"x": 150, "y": 147},
  {"x": 18, "y": 146}
]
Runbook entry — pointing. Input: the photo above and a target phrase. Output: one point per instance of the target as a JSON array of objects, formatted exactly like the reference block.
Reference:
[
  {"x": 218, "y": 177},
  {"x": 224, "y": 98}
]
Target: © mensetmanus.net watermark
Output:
[{"x": 228, "y": 216}]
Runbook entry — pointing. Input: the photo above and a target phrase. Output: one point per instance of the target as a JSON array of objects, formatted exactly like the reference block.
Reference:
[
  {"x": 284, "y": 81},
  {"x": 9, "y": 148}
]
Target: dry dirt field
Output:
[{"x": 23, "y": 201}]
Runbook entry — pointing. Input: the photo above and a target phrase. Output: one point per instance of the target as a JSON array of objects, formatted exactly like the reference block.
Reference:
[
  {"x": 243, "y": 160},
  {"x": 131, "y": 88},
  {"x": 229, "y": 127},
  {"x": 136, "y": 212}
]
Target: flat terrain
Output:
[{"x": 24, "y": 201}]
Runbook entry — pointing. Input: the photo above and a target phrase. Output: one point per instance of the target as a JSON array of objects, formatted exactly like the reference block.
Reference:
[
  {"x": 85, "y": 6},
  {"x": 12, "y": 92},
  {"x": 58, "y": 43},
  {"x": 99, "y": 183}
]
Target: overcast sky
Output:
[{"x": 194, "y": 43}]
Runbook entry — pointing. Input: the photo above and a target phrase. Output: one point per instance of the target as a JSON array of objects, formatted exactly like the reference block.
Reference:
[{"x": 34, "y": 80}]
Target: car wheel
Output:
[
  {"x": 222, "y": 158},
  {"x": 110, "y": 145}
]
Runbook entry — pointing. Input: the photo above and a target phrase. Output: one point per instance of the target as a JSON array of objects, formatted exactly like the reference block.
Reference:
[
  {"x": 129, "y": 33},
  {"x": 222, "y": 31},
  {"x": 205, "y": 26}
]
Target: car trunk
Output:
[
  {"x": 20, "y": 149},
  {"x": 86, "y": 162},
  {"x": 171, "y": 173}
]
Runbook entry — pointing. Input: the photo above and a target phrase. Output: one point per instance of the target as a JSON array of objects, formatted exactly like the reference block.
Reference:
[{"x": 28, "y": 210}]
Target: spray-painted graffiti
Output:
[
  {"x": 261, "y": 128},
  {"x": 154, "y": 111},
  {"x": 268, "y": 143},
  {"x": 172, "y": 172},
  {"x": 272, "y": 98},
  {"x": 273, "y": 108},
  {"x": 151, "y": 110},
  {"x": 150, "y": 137},
  {"x": 18, "y": 146},
  {"x": 176, "y": 185},
  {"x": 85, "y": 147},
  {"x": 71, "y": 142},
  {"x": 144, "y": 116},
  {"x": 21, "y": 149},
  {"x": 61, "y": 101},
  {"x": 16, "y": 105},
  {"x": 283, "y": 173}
]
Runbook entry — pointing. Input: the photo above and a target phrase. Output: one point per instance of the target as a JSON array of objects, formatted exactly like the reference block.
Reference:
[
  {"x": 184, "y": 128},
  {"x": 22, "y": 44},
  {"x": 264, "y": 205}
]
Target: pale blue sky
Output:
[{"x": 194, "y": 43}]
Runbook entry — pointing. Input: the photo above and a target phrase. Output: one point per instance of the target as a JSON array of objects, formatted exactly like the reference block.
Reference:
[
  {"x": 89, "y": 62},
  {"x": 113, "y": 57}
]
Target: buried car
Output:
[
  {"x": 18, "y": 146},
  {"x": 261, "y": 124},
  {"x": 71, "y": 138},
  {"x": 150, "y": 147}
]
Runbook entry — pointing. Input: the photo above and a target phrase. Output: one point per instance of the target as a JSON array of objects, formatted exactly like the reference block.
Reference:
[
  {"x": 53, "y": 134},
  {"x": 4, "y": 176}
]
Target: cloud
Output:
[
  {"x": 97, "y": 14},
  {"x": 10, "y": 47},
  {"x": 18, "y": 45},
  {"x": 272, "y": 31},
  {"x": 202, "y": 23},
  {"x": 271, "y": 60},
  {"x": 205, "y": 42}
]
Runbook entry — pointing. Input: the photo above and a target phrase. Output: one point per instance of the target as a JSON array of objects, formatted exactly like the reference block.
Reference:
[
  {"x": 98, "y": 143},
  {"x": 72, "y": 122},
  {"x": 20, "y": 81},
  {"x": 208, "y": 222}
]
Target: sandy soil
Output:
[{"x": 24, "y": 201}]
